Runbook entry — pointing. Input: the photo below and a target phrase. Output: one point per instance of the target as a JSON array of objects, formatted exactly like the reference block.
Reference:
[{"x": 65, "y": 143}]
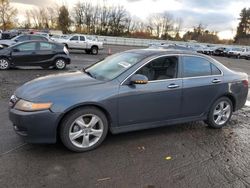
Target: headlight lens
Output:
[{"x": 30, "y": 106}]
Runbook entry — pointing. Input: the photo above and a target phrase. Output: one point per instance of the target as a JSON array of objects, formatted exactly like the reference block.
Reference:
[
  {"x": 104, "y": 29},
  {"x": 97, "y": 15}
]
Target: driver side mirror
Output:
[{"x": 139, "y": 79}]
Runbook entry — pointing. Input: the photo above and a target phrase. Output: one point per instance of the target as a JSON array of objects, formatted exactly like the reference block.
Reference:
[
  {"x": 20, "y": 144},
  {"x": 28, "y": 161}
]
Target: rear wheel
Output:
[
  {"x": 94, "y": 50},
  {"x": 60, "y": 64},
  {"x": 220, "y": 113},
  {"x": 84, "y": 129},
  {"x": 4, "y": 64}
]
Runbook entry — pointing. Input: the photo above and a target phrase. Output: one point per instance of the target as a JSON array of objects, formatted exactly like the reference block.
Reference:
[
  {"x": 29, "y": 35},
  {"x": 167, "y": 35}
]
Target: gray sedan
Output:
[{"x": 128, "y": 91}]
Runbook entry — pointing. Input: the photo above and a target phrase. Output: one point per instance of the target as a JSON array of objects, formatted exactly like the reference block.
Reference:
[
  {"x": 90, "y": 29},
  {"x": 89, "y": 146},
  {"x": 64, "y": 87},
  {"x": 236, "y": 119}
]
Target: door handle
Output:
[
  {"x": 215, "y": 81},
  {"x": 172, "y": 86}
]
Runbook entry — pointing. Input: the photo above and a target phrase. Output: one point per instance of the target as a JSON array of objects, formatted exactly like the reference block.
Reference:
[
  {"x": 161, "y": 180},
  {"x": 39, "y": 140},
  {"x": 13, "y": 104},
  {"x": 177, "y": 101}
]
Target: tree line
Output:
[{"x": 115, "y": 20}]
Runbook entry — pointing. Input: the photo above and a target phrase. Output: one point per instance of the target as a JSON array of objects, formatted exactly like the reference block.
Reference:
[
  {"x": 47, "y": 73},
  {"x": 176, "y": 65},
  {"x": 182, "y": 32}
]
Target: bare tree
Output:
[{"x": 7, "y": 14}]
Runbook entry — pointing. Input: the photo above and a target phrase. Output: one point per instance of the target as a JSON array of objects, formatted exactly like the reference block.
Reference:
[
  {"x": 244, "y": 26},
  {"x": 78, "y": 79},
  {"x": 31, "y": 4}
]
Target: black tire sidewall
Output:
[
  {"x": 70, "y": 118},
  {"x": 210, "y": 120}
]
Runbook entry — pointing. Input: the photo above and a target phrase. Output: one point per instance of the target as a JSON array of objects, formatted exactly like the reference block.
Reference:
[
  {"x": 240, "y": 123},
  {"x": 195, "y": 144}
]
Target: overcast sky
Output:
[{"x": 216, "y": 15}]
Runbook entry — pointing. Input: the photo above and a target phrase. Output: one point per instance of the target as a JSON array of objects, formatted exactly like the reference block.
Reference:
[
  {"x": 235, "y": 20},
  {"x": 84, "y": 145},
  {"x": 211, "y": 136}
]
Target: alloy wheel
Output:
[
  {"x": 4, "y": 64},
  {"x": 222, "y": 112},
  {"x": 86, "y": 131},
  {"x": 60, "y": 64}
]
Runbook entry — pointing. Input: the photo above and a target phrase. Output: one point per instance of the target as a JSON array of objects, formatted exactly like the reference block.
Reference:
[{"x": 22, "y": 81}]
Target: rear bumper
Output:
[{"x": 35, "y": 127}]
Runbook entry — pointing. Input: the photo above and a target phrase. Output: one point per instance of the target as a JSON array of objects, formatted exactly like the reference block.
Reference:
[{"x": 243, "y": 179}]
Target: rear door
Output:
[
  {"x": 45, "y": 53},
  {"x": 25, "y": 54},
  {"x": 202, "y": 82}
]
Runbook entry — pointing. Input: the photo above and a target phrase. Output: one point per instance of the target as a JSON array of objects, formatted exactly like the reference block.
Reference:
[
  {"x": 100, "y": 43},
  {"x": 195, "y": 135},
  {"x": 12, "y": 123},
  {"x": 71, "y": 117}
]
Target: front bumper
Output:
[{"x": 35, "y": 127}]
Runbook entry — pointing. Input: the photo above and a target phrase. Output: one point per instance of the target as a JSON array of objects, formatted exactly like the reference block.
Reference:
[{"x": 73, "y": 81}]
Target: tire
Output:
[
  {"x": 85, "y": 139},
  {"x": 60, "y": 64},
  {"x": 94, "y": 50},
  {"x": 222, "y": 107},
  {"x": 4, "y": 64}
]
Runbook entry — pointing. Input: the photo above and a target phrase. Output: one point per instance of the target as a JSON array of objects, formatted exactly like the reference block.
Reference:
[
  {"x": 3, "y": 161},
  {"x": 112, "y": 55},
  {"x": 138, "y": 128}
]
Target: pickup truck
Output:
[
  {"x": 81, "y": 42},
  {"x": 245, "y": 53}
]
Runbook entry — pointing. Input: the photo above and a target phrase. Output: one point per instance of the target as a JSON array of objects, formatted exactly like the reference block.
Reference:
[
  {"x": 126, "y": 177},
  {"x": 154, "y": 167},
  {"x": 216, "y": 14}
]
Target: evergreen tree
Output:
[
  {"x": 64, "y": 20},
  {"x": 243, "y": 29}
]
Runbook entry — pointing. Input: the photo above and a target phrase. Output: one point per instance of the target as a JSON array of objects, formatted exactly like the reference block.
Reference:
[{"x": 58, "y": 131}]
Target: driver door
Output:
[{"x": 158, "y": 100}]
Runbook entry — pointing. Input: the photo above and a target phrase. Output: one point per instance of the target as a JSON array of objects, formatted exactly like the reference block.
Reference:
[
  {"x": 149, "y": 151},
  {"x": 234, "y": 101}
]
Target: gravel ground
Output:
[{"x": 184, "y": 155}]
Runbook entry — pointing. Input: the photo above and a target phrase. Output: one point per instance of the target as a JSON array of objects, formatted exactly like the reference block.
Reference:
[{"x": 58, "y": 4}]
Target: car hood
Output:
[{"x": 48, "y": 85}]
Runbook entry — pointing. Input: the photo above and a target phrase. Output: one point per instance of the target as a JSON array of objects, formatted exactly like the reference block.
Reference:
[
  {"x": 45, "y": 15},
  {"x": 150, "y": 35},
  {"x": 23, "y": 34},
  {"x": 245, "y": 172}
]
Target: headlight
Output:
[{"x": 30, "y": 106}]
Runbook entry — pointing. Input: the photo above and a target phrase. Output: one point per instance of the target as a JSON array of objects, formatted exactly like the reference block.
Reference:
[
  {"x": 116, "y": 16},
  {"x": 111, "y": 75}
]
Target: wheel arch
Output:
[
  {"x": 68, "y": 111},
  {"x": 95, "y": 46},
  {"x": 230, "y": 97}
]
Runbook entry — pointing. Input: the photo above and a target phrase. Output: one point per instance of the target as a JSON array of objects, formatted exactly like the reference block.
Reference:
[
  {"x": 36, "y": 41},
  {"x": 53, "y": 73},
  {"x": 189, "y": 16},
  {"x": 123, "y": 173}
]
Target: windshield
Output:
[{"x": 114, "y": 65}]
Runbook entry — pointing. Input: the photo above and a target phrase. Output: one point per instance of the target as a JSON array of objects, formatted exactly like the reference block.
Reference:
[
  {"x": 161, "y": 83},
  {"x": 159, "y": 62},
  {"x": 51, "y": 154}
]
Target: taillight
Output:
[{"x": 245, "y": 83}]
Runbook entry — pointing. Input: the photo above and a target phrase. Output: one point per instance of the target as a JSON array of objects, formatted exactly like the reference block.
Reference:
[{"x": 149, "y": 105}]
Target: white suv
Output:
[{"x": 81, "y": 42}]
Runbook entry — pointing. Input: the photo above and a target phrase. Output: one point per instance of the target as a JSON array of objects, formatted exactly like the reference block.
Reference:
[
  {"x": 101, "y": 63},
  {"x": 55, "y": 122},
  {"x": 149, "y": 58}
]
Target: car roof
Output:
[{"x": 152, "y": 52}]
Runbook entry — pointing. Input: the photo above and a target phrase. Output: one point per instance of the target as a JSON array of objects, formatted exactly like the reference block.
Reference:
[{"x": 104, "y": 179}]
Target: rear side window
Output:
[
  {"x": 196, "y": 66},
  {"x": 47, "y": 46}
]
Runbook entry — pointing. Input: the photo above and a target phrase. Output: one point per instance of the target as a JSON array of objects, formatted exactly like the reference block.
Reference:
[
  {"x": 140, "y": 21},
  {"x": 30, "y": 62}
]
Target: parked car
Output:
[
  {"x": 128, "y": 91},
  {"x": 245, "y": 53},
  {"x": 234, "y": 52},
  {"x": 172, "y": 46},
  {"x": 219, "y": 51},
  {"x": 22, "y": 38},
  {"x": 81, "y": 42},
  {"x": 10, "y": 34},
  {"x": 34, "y": 53}
]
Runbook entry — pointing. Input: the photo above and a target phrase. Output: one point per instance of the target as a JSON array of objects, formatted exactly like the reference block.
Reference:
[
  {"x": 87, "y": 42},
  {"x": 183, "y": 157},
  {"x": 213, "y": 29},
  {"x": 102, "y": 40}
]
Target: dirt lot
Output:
[{"x": 185, "y": 155}]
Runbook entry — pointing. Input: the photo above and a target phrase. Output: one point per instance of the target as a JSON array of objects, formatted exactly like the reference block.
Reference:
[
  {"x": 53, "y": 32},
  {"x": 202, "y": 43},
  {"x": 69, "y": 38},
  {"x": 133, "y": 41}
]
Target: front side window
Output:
[
  {"x": 74, "y": 38},
  {"x": 22, "y": 38},
  {"x": 27, "y": 47},
  {"x": 160, "y": 69},
  {"x": 114, "y": 65}
]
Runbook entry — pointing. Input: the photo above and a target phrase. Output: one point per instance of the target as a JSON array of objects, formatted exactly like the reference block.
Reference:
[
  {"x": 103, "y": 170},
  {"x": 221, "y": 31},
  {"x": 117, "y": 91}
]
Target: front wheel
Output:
[
  {"x": 60, "y": 64},
  {"x": 220, "y": 113},
  {"x": 4, "y": 64},
  {"x": 84, "y": 129}
]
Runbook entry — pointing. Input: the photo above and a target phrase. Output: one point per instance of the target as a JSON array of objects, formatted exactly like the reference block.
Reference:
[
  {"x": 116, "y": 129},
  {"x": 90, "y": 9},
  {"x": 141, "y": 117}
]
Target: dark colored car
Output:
[
  {"x": 34, "y": 53},
  {"x": 10, "y": 34},
  {"x": 219, "y": 51},
  {"x": 128, "y": 91},
  {"x": 22, "y": 38}
]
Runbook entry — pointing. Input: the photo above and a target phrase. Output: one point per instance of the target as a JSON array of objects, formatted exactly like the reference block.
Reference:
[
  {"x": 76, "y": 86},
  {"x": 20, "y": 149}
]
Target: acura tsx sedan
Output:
[{"x": 128, "y": 91}]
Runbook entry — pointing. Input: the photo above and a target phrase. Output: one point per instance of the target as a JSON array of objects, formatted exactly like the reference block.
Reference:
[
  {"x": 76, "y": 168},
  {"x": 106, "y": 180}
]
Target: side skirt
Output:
[{"x": 142, "y": 126}]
